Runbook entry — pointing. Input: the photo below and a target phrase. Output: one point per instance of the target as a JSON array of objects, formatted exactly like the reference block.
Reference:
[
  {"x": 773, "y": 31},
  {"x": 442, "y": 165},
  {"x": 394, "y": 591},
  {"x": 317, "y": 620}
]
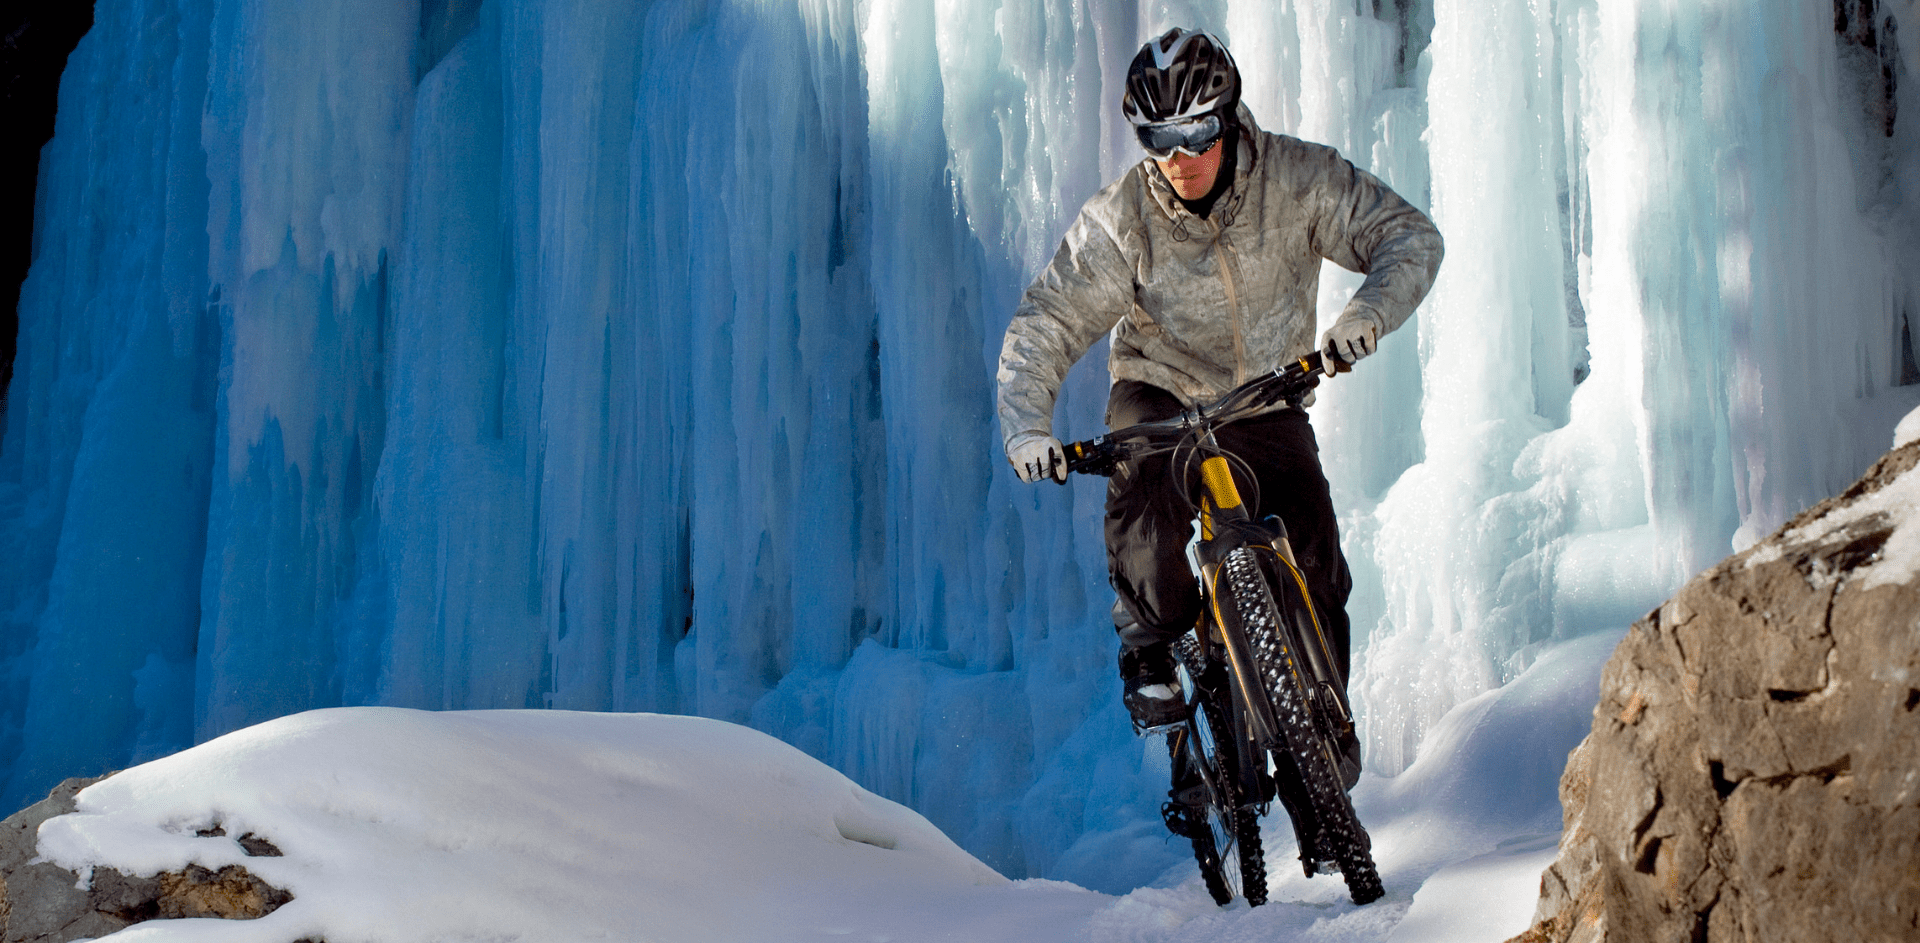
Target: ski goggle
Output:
[{"x": 1192, "y": 137}]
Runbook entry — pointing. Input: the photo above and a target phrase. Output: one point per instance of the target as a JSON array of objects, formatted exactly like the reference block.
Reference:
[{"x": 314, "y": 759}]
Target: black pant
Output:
[{"x": 1148, "y": 525}]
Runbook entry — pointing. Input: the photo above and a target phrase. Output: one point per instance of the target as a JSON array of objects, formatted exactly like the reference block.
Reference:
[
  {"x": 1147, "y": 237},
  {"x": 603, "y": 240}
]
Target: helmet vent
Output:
[{"x": 1179, "y": 75}]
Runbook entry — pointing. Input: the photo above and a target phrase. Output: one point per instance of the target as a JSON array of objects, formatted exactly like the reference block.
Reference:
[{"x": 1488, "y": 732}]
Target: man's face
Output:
[{"x": 1192, "y": 177}]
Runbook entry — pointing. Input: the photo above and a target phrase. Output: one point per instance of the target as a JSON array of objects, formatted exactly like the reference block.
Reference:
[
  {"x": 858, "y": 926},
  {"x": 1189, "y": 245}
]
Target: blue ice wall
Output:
[{"x": 614, "y": 356}]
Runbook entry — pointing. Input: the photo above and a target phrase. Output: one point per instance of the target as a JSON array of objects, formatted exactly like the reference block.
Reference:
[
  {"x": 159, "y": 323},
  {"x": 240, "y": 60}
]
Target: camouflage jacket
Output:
[{"x": 1199, "y": 306}]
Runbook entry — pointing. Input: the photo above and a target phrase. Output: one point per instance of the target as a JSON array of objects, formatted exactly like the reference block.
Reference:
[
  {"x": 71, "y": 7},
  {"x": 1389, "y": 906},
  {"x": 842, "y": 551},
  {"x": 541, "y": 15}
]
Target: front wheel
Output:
[{"x": 1335, "y": 830}]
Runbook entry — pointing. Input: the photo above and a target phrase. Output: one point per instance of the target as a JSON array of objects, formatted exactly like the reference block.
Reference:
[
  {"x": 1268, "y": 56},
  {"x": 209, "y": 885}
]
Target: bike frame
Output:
[
  {"x": 1222, "y": 507},
  {"x": 1261, "y": 641}
]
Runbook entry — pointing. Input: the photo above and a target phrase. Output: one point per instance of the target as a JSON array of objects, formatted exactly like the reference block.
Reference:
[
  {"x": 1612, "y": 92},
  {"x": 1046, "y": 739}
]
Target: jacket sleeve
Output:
[
  {"x": 1363, "y": 226},
  {"x": 1082, "y": 294}
]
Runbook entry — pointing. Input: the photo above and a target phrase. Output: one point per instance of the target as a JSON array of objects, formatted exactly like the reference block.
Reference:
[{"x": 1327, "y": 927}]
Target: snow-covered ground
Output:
[{"x": 401, "y": 825}]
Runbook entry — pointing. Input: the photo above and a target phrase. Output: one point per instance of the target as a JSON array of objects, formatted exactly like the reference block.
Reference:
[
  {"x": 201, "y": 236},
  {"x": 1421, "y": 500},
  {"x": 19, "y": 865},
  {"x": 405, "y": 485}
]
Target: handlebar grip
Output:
[
  {"x": 1316, "y": 363},
  {"x": 1092, "y": 457}
]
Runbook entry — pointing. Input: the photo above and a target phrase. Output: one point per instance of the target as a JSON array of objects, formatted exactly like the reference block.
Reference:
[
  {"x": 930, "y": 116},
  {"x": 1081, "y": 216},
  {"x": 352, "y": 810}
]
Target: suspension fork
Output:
[{"x": 1221, "y": 502}]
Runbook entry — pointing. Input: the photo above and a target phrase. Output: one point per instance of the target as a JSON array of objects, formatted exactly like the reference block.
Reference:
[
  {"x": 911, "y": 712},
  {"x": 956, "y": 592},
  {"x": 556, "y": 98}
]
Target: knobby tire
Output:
[{"x": 1312, "y": 748}]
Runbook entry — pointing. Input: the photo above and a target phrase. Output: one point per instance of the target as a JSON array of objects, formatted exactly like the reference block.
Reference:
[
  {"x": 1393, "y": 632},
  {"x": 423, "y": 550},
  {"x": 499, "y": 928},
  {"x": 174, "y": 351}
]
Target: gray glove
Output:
[
  {"x": 1037, "y": 455},
  {"x": 1349, "y": 339}
]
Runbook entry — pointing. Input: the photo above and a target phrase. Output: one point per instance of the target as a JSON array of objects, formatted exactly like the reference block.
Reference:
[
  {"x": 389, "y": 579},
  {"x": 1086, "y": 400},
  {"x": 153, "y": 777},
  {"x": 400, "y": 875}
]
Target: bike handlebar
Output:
[{"x": 1102, "y": 455}]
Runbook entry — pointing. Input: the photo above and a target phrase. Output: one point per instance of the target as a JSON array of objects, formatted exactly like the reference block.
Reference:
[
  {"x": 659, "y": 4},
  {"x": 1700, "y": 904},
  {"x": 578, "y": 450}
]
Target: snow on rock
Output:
[
  {"x": 397, "y": 825},
  {"x": 1908, "y": 429},
  {"x": 1877, "y": 516},
  {"x": 402, "y": 825}
]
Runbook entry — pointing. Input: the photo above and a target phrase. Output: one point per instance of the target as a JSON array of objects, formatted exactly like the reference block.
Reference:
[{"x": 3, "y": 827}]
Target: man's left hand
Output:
[{"x": 1348, "y": 340}]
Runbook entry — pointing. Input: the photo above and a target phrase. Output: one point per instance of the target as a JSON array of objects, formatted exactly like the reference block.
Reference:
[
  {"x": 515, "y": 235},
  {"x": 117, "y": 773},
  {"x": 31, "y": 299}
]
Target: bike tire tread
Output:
[
  {"x": 1332, "y": 808},
  {"x": 1253, "y": 860}
]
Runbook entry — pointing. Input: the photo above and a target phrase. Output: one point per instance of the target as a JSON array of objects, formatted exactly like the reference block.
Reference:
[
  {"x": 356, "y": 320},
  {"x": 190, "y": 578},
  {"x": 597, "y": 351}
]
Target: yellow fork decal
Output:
[{"x": 1219, "y": 480}]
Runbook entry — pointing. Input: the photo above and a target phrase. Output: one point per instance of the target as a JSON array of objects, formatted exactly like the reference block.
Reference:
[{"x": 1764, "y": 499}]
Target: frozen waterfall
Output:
[{"x": 638, "y": 357}]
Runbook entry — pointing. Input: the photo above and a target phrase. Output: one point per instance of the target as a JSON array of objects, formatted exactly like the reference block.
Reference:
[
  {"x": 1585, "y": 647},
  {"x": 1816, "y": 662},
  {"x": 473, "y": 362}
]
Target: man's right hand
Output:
[{"x": 1037, "y": 455}]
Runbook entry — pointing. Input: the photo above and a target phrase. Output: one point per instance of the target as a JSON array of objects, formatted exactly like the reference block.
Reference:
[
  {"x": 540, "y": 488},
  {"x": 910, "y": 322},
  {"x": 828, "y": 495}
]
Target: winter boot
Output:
[{"x": 1151, "y": 688}]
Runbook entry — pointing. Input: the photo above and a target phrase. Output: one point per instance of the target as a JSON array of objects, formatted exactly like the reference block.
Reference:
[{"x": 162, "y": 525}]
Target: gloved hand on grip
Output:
[
  {"x": 1349, "y": 339},
  {"x": 1037, "y": 455}
]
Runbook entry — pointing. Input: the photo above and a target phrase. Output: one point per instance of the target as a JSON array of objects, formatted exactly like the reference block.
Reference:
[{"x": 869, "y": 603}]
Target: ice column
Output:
[
  {"x": 106, "y": 462},
  {"x": 1710, "y": 180},
  {"x": 305, "y": 134}
]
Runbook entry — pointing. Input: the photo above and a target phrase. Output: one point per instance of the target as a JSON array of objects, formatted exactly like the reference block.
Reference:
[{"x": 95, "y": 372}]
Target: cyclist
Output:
[{"x": 1203, "y": 260}]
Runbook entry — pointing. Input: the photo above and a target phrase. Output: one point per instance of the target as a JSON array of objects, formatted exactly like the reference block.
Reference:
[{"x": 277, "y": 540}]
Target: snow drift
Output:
[{"x": 398, "y": 825}]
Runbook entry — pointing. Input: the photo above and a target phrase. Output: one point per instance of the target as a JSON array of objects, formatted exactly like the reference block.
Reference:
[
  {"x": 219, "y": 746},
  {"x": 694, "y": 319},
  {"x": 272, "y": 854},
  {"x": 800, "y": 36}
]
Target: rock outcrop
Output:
[
  {"x": 41, "y": 902},
  {"x": 1753, "y": 772}
]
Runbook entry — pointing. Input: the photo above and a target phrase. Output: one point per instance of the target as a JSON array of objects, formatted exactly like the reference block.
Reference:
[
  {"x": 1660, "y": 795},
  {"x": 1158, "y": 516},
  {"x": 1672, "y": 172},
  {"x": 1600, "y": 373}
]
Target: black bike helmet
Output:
[{"x": 1184, "y": 75}]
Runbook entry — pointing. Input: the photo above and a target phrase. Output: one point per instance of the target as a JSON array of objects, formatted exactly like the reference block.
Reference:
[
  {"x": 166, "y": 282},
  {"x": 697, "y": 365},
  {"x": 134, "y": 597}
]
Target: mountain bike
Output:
[{"x": 1267, "y": 708}]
